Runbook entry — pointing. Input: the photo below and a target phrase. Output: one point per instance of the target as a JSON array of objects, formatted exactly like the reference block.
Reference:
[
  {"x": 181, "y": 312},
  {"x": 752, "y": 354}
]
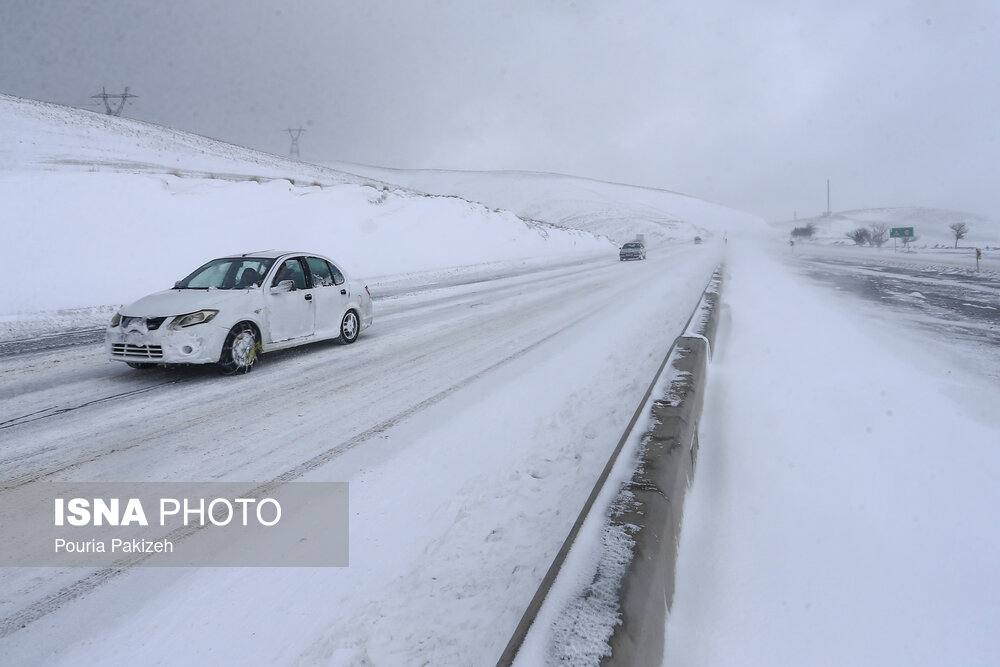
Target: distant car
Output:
[
  {"x": 232, "y": 309},
  {"x": 632, "y": 250},
  {"x": 697, "y": 240}
]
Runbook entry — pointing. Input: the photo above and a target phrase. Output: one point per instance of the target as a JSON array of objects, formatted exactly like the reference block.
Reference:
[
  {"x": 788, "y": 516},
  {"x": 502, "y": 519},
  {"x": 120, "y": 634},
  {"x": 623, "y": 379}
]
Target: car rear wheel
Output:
[
  {"x": 350, "y": 327},
  {"x": 241, "y": 349}
]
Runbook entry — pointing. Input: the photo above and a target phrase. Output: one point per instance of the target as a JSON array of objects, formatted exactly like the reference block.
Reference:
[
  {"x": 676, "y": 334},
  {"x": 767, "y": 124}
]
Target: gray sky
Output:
[{"x": 748, "y": 104}]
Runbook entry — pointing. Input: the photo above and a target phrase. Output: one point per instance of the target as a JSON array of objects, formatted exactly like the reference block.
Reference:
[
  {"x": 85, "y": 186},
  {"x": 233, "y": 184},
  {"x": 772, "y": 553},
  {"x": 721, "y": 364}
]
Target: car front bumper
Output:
[{"x": 200, "y": 344}]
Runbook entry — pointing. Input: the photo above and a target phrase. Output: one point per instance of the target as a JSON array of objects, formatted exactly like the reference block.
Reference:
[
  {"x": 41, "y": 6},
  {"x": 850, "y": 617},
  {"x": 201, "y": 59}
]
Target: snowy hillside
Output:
[
  {"x": 114, "y": 209},
  {"x": 616, "y": 210},
  {"x": 52, "y": 137},
  {"x": 930, "y": 225}
]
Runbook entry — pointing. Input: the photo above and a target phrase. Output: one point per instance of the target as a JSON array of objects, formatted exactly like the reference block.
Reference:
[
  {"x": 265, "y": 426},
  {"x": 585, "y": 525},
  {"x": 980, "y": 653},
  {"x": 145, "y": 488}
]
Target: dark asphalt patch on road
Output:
[
  {"x": 51, "y": 341},
  {"x": 956, "y": 303}
]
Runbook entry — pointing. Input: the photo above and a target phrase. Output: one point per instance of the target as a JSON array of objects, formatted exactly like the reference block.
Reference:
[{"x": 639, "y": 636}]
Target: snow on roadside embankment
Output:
[
  {"x": 103, "y": 210},
  {"x": 613, "y": 209},
  {"x": 90, "y": 239},
  {"x": 844, "y": 512}
]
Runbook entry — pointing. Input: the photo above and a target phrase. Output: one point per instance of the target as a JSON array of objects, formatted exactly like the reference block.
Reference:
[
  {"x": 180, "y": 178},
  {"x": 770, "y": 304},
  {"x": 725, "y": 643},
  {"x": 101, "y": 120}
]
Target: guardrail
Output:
[{"x": 649, "y": 507}]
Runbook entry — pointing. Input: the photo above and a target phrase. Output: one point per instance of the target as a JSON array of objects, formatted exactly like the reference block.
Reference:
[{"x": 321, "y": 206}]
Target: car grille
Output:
[
  {"x": 144, "y": 351},
  {"x": 152, "y": 323}
]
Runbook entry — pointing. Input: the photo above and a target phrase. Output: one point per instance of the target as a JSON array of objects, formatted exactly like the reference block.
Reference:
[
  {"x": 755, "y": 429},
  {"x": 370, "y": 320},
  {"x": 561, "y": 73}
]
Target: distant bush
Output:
[
  {"x": 860, "y": 236},
  {"x": 879, "y": 235},
  {"x": 806, "y": 232}
]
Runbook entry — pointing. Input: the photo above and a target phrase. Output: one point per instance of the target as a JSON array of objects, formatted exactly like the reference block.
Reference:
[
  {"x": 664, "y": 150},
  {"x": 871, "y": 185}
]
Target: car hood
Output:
[{"x": 180, "y": 301}]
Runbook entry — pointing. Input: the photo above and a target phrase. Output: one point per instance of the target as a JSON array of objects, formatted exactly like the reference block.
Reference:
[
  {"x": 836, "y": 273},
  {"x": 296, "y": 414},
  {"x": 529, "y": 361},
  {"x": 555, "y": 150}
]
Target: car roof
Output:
[
  {"x": 268, "y": 254},
  {"x": 276, "y": 254}
]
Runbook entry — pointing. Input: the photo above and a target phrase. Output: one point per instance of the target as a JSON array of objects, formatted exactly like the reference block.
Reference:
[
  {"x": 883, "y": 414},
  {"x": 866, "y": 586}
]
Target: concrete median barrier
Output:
[
  {"x": 651, "y": 505},
  {"x": 648, "y": 508}
]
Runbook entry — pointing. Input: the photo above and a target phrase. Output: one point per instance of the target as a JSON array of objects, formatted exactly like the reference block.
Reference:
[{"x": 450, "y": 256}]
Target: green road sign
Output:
[{"x": 900, "y": 232}]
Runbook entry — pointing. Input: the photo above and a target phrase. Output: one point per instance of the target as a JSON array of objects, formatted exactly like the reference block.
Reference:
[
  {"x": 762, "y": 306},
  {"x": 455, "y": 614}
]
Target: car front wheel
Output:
[
  {"x": 350, "y": 327},
  {"x": 241, "y": 349}
]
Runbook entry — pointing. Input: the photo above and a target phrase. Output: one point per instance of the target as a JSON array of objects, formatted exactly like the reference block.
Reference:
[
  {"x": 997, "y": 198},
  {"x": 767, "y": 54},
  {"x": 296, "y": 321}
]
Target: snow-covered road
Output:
[{"x": 470, "y": 421}]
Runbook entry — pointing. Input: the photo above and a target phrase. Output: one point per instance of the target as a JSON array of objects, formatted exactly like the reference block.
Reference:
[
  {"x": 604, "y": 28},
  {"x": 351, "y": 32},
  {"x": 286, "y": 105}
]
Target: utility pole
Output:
[
  {"x": 294, "y": 134},
  {"x": 113, "y": 109},
  {"x": 828, "y": 211}
]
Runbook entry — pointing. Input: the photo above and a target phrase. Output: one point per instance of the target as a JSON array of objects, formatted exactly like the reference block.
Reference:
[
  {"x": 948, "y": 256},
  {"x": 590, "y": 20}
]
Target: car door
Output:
[
  {"x": 290, "y": 314},
  {"x": 330, "y": 295}
]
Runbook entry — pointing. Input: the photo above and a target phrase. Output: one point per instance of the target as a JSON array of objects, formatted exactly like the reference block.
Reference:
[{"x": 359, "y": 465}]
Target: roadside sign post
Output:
[
  {"x": 900, "y": 233},
  {"x": 979, "y": 256}
]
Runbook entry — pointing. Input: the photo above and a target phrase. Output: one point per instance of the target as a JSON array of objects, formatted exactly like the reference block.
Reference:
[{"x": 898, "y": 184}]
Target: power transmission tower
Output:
[
  {"x": 294, "y": 134},
  {"x": 113, "y": 109}
]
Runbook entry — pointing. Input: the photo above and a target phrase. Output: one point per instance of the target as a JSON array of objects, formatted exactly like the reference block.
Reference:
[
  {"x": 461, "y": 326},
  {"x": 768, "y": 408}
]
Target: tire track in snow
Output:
[
  {"x": 91, "y": 582},
  {"x": 54, "y": 411},
  {"x": 505, "y": 288}
]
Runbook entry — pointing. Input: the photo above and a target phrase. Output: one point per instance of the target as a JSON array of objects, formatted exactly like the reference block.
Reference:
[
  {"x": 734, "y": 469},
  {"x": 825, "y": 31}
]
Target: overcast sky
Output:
[{"x": 748, "y": 104}]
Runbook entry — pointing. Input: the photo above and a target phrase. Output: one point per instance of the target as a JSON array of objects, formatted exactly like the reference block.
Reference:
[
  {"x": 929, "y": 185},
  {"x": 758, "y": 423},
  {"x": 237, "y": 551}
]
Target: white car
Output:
[{"x": 232, "y": 309}]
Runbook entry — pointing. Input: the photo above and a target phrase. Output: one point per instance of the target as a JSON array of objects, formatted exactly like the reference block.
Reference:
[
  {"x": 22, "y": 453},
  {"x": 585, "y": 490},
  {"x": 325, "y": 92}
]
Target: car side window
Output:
[
  {"x": 338, "y": 277},
  {"x": 249, "y": 273},
  {"x": 320, "y": 271},
  {"x": 291, "y": 269}
]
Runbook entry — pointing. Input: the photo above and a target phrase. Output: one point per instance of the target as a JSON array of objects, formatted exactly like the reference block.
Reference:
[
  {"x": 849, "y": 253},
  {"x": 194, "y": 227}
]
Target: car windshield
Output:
[
  {"x": 228, "y": 273},
  {"x": 631, "y": 245}
]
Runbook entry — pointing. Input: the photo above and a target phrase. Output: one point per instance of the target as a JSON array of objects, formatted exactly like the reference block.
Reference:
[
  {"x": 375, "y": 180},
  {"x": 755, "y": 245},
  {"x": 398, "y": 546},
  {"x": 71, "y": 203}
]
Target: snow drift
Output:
[
  {"x": 612, "y": 209},
  {"x": 102, "y": 210}
]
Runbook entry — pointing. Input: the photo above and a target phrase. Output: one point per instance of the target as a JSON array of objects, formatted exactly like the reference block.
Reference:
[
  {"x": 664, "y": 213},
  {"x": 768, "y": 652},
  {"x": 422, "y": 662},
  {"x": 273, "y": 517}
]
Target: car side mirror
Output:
[
  {"x": 283, "y": 286},
  {"x": 177, "y": 285}
]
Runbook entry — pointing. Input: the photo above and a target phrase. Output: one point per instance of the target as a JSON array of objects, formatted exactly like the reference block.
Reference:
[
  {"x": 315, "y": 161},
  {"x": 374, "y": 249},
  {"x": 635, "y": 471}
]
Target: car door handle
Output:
[
  {"x": 309, "y": 297},
  {"x": 343, "y": 291}
]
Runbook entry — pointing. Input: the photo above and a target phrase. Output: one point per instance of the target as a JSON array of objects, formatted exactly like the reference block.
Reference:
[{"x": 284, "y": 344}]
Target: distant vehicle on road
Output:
[
  {"x": 697, "y": 240},
  {"x": 632, "y": 250},
  {"x": 232, "y": 309}
]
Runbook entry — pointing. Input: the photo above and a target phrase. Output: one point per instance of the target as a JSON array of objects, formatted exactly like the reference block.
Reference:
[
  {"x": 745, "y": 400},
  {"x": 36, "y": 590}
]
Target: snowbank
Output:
[
  {"x": 616, "y": 210},
  {"x": 86, "y": 239},
  {"x": 102, "y": 210}
]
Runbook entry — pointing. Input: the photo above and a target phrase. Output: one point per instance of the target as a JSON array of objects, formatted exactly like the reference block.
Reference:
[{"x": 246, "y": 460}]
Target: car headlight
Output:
[
  {"x": 191, "y": 319},
  {"x": 116, "y": 320}
]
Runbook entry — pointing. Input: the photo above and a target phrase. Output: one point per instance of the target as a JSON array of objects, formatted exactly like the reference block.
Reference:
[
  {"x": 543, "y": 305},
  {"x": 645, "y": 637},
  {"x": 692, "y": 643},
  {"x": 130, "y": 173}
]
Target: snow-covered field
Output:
[
  {"x": 843, "y": 508},
  {"x": 930, "y": 226},
  {"x": 618, "y": 211}
]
